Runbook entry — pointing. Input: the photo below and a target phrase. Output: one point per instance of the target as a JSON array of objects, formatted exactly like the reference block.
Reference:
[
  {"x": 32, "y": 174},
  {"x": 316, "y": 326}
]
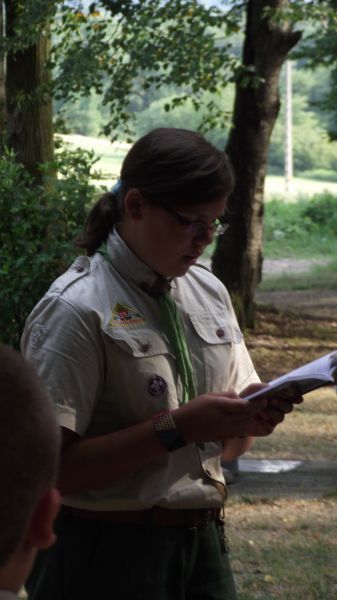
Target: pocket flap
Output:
[
  {"x": 138, "y": 342},
  {"x": 216, "y": 328}
]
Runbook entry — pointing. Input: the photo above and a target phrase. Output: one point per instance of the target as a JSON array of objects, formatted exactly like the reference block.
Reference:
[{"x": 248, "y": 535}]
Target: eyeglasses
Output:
[{"x": 197, "y": 228}]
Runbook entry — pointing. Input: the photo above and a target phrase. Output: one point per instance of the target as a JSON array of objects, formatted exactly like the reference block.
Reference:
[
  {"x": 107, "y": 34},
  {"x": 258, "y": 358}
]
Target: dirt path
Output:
[
  {"x": 309, "y": 479},
  {"x": 314, "y": 303}
]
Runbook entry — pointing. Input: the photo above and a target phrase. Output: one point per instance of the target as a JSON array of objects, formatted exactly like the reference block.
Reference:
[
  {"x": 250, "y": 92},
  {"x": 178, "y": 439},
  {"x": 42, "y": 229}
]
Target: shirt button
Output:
[
  {"x": 220, "y": 332},
  {"x": 145, "y": 347},
  {"x": 80, "y": 269}
]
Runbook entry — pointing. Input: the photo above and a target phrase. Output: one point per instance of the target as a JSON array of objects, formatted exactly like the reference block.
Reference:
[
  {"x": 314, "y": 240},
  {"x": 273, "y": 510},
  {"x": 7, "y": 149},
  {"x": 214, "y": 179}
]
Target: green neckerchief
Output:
[
  {"x": 103, "y": 250},
  {"x": 174, "y": 330}
]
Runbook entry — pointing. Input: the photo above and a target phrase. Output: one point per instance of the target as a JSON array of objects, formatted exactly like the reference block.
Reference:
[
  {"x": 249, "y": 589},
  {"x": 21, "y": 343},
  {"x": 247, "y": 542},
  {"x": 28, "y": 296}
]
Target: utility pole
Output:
[{"x": 288, "y": 159}]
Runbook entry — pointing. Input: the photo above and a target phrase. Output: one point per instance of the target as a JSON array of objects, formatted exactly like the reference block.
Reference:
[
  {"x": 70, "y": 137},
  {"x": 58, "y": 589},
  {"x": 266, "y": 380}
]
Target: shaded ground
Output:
[
  {"x": 314, "y": 303},
  {"x": 292, "y": 328}
]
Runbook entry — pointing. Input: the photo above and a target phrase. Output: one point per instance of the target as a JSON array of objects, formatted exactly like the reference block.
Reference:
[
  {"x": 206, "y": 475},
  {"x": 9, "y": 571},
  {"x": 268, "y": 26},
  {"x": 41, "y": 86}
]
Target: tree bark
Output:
[
  {"x": 237, "y": 260},
  {"x": 28, "y": 99}
]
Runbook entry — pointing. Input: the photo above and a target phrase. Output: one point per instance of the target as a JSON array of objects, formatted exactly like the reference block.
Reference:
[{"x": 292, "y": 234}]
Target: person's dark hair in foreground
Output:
[{"x": 29, "y": 453}]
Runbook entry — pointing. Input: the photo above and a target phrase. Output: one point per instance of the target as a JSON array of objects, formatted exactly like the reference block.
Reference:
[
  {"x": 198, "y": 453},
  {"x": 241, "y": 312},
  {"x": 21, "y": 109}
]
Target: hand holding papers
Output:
[{"x": 309, "y": 377}]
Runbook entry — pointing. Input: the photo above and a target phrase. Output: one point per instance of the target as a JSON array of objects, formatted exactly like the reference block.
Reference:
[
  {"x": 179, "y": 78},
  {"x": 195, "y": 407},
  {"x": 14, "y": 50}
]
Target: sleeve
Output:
[{"x": 64, "y": 344}]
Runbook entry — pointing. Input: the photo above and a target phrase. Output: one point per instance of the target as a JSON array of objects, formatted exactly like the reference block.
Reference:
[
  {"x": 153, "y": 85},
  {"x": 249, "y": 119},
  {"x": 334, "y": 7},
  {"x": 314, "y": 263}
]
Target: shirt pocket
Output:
[
  {"x": 139, "y": 342},
  {"x": 216, "y": 335},
  {"x": 141, "y": 372}
]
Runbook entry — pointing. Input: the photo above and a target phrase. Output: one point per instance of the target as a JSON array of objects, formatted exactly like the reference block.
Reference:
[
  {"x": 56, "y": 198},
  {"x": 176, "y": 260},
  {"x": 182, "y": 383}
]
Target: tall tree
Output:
[
  {"x": 320, "y": 48},
  {"x": 237, "y": 260},
  {"x": 28, "y": 94},
  {"x": 118, "y": 49}
]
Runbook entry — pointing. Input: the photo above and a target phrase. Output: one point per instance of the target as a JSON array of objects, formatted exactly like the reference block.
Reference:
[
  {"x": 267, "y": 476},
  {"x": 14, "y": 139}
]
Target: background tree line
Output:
[
  {"x": 311, "y": 121},
  {"x": 125, "y": 53}
]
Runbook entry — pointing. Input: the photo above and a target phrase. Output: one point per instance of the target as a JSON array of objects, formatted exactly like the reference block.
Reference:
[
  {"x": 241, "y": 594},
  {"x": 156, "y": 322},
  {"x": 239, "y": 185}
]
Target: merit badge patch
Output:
[
  {"x": 125, "y": 315},
  {"x": 156, "y": 386}
]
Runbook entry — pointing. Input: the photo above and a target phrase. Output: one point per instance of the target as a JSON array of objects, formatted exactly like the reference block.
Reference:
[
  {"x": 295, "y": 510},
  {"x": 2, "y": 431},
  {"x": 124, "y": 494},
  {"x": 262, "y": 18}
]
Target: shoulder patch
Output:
[{"x": 37, "y": 335}]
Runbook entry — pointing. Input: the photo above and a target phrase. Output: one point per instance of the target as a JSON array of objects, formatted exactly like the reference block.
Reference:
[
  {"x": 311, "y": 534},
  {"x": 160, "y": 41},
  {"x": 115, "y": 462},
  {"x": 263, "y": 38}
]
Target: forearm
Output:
[
  {"x": 95, "y": 463},
  {"x": 234, "y": 447}
]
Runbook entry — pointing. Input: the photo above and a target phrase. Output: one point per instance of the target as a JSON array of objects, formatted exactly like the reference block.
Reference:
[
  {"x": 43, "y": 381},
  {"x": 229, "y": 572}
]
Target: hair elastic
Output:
[{"x": 116, "y": 188}]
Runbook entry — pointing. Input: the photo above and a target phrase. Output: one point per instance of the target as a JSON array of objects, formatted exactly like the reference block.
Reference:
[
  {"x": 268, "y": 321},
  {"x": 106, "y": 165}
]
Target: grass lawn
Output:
[
  {"x": 112, "y": 154},
  {"x": 275, "y": 185},
  {"x": 285, "y": 548}
]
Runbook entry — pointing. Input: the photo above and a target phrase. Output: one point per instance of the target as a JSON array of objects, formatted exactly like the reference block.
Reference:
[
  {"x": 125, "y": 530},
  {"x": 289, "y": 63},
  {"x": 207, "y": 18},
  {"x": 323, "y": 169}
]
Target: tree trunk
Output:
[
  {"x": 237, "y": 260},
  {"x": 28, "y": 99}
]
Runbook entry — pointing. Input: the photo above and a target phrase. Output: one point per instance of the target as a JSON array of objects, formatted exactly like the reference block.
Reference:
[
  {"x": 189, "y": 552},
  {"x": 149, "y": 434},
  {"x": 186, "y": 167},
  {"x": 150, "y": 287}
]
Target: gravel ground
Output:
[{"x": 290, "y": 265}]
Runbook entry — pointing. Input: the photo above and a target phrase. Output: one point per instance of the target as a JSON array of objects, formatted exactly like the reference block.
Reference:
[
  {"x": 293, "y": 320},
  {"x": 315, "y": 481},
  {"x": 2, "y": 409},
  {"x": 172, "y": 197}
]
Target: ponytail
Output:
[{"x": 100, "y": 221}]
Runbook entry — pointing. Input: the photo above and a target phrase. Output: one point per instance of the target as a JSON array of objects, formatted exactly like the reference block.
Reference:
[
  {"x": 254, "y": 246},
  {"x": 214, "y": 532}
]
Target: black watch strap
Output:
[{"x": 165, "y": 429}]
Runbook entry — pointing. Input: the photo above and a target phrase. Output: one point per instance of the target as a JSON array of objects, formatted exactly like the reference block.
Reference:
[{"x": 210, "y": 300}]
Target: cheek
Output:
[{"x": 164, "y": 239}]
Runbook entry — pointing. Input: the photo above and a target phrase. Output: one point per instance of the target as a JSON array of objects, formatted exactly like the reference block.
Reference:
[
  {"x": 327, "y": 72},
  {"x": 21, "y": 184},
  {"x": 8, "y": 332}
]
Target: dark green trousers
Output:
[{"x": 98, "y": 560}]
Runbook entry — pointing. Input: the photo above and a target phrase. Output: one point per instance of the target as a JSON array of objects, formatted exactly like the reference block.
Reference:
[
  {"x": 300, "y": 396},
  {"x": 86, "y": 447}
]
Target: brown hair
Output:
[
  {"x": 168, "y": 166},
  {"x": 29, "y": 446}
]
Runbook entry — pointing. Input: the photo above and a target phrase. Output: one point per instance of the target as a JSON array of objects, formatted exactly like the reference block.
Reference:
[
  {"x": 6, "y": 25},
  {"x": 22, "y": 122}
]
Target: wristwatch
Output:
[{"x": 165, "y": 429}]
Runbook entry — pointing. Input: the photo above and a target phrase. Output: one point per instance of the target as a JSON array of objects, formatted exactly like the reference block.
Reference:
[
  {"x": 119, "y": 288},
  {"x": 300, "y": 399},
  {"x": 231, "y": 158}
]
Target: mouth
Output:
[{"x": 190, "y": 259}]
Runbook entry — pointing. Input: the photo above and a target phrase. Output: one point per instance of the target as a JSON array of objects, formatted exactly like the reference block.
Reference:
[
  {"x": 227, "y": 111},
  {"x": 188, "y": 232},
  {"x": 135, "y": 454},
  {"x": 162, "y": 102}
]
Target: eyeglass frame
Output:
[{"x": 197, "y": 228}]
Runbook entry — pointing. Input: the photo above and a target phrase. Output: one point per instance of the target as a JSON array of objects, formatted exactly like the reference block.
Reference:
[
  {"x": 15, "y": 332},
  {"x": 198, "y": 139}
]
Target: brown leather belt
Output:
[{"x": 156, "y": 516}]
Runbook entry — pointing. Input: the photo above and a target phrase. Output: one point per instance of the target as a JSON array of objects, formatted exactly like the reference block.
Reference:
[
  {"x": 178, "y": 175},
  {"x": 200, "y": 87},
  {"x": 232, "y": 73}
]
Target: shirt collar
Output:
[{"x": 127, "y": 263}]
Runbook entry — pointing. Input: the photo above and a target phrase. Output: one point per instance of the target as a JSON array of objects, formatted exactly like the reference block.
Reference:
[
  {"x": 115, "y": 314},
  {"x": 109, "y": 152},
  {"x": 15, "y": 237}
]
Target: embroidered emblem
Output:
[
  {"x": 156, "y": 386},
  {"x": 37, "y": 335},
  {"x": 125, "y": 315}
]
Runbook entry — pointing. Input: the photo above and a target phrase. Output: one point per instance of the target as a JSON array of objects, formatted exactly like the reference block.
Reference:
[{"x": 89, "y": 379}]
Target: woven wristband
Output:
[{"x": 166, "y": 431}]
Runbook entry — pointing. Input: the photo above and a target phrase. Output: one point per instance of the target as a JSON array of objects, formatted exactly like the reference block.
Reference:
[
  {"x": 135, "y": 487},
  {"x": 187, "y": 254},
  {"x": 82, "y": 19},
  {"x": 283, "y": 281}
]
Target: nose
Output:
[{"x": 205, "y": 236}]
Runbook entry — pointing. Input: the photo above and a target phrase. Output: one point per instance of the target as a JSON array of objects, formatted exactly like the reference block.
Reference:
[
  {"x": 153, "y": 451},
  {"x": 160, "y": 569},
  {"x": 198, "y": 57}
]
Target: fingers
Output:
[
  {"x": 281, "y": 404},
  {"x": 251, "y": 388}
]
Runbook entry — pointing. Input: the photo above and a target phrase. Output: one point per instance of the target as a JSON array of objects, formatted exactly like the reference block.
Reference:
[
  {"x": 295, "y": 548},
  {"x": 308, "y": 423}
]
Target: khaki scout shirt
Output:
[{"x": 96, "y": 339}]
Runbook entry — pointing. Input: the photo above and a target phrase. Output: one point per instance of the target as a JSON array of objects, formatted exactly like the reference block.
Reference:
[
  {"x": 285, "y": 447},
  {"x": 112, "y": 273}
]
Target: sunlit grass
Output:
[
  {"x": 275, "y": 185},
  {"x": 309, "y": 433}
]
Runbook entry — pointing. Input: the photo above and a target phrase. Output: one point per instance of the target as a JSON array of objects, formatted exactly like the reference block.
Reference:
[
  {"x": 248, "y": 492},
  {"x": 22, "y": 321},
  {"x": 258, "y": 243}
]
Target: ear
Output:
[
  {"x": 40, "y": 533},
  {"x": 134, "y": 204}
]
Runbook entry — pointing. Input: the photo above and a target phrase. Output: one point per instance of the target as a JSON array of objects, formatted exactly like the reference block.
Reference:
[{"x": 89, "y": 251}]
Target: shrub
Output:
[
  {"x": 321, "y": 210},
  {"x": 305, "y": 228},
  {"x": 37, "y": 231}
]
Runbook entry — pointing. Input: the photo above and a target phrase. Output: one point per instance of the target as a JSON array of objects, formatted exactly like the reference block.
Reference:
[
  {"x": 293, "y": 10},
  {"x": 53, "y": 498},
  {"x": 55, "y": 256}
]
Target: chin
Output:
[{"x": 178, "y": 272}]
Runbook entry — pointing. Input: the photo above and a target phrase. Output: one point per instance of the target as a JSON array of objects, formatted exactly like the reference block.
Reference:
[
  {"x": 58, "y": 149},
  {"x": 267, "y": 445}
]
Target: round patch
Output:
[
  {"x": 37, "y": 335},
  {"x": 156, "y": 386}
]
